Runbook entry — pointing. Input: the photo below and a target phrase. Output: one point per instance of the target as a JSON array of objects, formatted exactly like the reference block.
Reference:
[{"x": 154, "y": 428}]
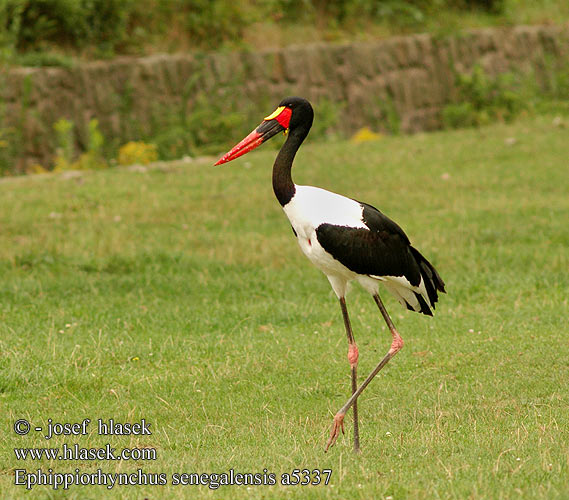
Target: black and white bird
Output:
[{"x": 346, "y": 239}]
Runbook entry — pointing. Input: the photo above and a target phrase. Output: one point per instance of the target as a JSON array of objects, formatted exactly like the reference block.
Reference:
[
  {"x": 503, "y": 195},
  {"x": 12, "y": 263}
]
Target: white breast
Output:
[
  {"x": 309, "y": 208},
  {"x": 312, "y": 206}
]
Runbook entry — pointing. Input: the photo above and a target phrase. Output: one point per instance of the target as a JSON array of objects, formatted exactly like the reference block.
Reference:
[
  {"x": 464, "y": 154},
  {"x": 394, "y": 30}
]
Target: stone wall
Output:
[{"x": 415, "y": 75}]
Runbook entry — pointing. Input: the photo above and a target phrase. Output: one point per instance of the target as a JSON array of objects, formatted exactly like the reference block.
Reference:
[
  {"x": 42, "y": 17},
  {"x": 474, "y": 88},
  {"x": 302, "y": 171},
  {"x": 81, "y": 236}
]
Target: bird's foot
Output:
[{"x": 336, "y": 427}]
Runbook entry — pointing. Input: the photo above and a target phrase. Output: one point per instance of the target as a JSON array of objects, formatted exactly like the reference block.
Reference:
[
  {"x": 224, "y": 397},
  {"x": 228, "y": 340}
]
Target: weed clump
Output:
[
  {"x": 483, "y": 99},
  {"x": 137, "y": 152},
  {"x": 91, "y": 159}
]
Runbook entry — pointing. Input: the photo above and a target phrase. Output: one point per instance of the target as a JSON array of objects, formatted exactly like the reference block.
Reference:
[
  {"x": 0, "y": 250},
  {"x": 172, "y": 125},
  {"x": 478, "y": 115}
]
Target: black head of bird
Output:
[{"x": 293, "y": 115}]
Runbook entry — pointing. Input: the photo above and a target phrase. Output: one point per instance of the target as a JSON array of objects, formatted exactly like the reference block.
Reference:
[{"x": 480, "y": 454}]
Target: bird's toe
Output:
[{"x": 336, "y": 427}]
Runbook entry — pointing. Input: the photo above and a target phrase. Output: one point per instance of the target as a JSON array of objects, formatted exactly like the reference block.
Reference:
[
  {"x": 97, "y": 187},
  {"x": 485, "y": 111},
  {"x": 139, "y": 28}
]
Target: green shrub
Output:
[
  {"x": 104, "y": 27},
  {"x": 65, "y": 144},
  {"x": 482, "y": 99},
  {"x": 6, "y": 157},
  {"x": 34, "y": 23},
  {"x": 10, "y": 26},
  {"x": 10, "y": 142},
  {"x": 401, "y": 12},
  {"x": 492, "y": 6},
  {"x": 390, "y": 115},
  {"x": 137, "y": 152},
  {"x": 39, "y": 59},
  {"x": 327, "y": 118},
  {"x": 91, "y": 159},
  {"x": 552, "y": 78}
]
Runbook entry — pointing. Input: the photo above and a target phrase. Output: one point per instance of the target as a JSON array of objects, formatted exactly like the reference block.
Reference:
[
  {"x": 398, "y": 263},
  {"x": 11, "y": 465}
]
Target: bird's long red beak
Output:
[
  {"x": 252, "y": 141},
  {"x": 269, "y": 127}
]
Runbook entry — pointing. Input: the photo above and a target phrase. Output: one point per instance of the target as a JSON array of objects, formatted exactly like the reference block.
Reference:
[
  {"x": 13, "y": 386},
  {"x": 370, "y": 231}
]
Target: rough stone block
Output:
[{"x": 131, "y": 95}]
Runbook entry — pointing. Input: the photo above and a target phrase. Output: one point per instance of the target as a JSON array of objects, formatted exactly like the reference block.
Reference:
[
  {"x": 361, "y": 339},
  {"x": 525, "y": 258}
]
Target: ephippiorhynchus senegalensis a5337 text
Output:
[{"x": 346, "y": 239}]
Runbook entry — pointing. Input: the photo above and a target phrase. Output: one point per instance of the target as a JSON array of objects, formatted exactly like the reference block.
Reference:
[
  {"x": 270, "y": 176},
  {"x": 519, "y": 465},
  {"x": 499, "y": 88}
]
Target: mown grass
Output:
[{"x": 179, "y": 295}]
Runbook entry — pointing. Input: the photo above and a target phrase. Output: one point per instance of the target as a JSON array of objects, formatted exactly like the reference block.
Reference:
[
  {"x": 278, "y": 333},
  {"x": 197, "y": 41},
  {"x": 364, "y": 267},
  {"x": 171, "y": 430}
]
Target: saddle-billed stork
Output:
[{"x": 346, "y": 239}]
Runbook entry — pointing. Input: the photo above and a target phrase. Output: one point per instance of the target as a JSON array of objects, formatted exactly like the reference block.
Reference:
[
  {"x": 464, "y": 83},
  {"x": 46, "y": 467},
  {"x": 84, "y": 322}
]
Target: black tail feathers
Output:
[{"x": 432, "y": 279}]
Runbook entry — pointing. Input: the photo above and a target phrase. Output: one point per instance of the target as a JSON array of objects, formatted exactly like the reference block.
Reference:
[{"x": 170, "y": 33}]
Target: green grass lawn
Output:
[{"x": 179, "y": 295}]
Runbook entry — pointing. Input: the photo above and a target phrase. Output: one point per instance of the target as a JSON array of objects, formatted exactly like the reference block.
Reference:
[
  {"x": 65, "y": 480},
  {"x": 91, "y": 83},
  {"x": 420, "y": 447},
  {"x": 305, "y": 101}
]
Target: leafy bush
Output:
[
  {"x": 104, "y": 27},
  {"x": 109, "y": 25},
  {"x": 65, "y": 144},
  {"x": 482, "y": 99},
  {"x": 93, "y": 157},
  {"x": 34, "y": 23},
  {"x": 6, "y": 155},
  {"x": 10, "y": 142},
  {"x": 401, "y": 12},
  {"x": 39, "y": 59},
  {"x": 137, "y": 152},
  {"x": 65, "y": 151}
]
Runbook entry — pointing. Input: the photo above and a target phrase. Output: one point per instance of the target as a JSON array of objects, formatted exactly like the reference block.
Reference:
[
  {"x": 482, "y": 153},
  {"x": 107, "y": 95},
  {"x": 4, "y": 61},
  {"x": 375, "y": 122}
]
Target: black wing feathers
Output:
[
  {"x": 369, "y": 252},
  {"x": 383, "y": 250},
  {"x": 378, "y": 222}
]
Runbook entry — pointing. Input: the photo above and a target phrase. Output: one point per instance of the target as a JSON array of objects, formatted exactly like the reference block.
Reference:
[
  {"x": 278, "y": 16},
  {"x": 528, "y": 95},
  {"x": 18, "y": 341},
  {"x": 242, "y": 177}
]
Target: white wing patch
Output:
[{"x": 311, "y": 206}]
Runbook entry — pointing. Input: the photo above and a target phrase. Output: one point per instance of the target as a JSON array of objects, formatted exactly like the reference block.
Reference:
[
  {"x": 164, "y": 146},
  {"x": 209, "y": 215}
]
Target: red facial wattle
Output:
[{"x": 284, "y": 117}]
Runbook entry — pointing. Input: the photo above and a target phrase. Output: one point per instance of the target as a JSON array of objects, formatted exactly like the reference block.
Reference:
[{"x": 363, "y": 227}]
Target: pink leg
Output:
[
  {"x": 353, "y": 356},
  {"x": 396, "y": 345}
]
